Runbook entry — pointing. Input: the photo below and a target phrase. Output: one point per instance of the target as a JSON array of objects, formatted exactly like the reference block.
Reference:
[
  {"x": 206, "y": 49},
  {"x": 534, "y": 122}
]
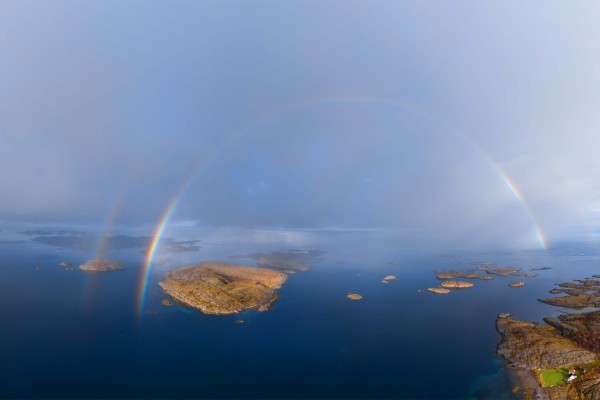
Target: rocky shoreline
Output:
[{"x": 569, "y": 342}]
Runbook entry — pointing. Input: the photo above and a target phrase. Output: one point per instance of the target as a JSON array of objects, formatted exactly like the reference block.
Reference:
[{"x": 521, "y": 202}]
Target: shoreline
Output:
[{"x": 529, "y": 387}]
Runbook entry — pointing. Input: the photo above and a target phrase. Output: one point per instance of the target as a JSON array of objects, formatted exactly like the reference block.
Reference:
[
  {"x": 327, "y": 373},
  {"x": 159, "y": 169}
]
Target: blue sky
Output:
[{"x": 105, "y": 103}]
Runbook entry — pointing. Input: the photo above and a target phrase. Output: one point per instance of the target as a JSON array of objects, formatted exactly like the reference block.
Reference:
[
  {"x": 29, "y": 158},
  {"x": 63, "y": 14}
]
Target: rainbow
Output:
[
  {"x": 263, "y": 118},
  {"x": 512, "y": 186}
]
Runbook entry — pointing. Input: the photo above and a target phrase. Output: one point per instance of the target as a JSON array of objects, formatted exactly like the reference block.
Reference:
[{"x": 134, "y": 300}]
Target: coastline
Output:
[{"x": 527, "y": 382}]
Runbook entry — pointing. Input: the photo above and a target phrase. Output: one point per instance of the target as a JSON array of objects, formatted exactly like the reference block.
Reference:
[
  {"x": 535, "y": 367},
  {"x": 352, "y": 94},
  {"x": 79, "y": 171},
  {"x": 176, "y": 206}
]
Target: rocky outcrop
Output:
[
  {"x": 439, "y": 290},
  {"x": 516, "y": 284},
  {"x": 102, "y": 265},
  {"x": 218, "y": 288},
  {"x": 532, "y": 346},
  {"x": 581, "y": 294},
  {"x": 583, "y": 329},
  {"x": 354, "y": 296},
  {"x": 456, "y": 285},
  {"x": 569, "y": 340}
]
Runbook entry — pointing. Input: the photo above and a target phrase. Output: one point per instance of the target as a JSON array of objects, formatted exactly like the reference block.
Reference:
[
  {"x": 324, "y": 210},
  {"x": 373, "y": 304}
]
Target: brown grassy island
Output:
[
  {"x": 101, "y": 265},
  {"x": 219, "y": 288}
]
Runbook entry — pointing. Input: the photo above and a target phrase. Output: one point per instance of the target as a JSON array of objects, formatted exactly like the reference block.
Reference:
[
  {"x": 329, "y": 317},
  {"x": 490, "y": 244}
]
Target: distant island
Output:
[
  {"x": 222, "y": 289},
  {"x": 564, "y": 354},
  {"x": 289, "y": 261},
  {"x": 102, "y": 265}
]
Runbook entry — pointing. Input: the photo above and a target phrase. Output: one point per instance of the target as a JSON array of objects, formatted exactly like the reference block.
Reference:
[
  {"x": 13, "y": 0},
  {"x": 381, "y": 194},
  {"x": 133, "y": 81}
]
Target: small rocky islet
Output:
[
  {"x": 354, "y": 296},
  {"x": 450, "y": 283}
]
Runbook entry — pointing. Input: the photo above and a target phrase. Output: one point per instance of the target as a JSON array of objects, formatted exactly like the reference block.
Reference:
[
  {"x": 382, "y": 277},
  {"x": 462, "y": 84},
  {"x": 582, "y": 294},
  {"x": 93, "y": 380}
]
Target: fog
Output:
[{"x": 470, "y": 123}]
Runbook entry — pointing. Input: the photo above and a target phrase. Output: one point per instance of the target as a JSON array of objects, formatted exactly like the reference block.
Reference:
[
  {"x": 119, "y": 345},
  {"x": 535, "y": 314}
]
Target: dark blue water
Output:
[{"x": 71, "y": 334}]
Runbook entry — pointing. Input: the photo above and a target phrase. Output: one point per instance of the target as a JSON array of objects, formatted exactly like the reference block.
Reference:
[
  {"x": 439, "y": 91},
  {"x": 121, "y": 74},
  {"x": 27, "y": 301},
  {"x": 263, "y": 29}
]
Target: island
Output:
[
  {"x": 222, "y": 289},
  {"x": 516, "y": 284},
  {"x": 101, "y": 265},
  {"x": 354, "y": 296},
  {"x": 289, "y": 261},
  {"x": 563, "y": 354},
  {"x": 455, "y": 274},
  {"x": 580, "y": 294},
  {"x": 456, "y": 285},
  {"x": 388, "y": 279},
  {"x": 439, "y": 290}
]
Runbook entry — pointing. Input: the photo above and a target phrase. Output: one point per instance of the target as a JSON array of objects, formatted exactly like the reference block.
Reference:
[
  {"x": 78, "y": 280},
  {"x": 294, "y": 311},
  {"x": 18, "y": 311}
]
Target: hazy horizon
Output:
[{"x": 471, "y": 124}]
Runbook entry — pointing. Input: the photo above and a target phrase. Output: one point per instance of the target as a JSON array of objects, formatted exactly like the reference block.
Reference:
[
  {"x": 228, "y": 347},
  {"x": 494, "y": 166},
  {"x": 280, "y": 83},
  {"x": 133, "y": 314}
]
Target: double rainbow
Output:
[{"x": 172, "y": 204}]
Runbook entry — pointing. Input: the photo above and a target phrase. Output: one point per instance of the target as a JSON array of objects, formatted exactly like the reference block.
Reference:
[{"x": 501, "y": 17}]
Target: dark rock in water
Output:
[
  {"x": 532, "y": 346},
  {"x": 540, "y": 269},
  {"x": 102, "y": 265}
]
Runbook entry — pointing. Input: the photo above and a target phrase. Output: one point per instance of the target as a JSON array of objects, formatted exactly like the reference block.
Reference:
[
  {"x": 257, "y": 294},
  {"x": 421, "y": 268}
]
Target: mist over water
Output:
[{"x": 67, "y": 327}]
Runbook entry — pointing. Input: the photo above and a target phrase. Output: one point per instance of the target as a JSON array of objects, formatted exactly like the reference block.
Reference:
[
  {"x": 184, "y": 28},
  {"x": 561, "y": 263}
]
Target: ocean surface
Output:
[{"x": 72, "y": 334}]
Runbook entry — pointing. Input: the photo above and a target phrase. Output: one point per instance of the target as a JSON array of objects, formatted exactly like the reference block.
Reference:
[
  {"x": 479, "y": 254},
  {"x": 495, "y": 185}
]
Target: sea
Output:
[{"x": 67, "y": 333}]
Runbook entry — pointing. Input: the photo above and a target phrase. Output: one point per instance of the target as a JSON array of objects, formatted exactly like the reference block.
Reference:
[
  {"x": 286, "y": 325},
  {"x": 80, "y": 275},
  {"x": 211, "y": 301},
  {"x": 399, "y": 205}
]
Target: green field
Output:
[{"x": 558, "y": 376}]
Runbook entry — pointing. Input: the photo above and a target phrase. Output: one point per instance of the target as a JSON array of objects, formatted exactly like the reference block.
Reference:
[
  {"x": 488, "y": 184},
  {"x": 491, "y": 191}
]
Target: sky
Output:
[{"x": 471, "y": 121}]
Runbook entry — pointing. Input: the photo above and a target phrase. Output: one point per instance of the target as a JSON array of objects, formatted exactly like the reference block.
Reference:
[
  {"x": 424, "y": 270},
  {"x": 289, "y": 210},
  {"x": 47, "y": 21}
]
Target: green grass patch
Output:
[
  {"x": 558, "y": 376},
  {"x": 553, "y": 377}
]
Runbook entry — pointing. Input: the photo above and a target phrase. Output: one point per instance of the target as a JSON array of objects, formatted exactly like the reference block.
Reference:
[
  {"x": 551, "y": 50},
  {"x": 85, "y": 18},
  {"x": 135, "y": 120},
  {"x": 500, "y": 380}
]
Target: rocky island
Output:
[
  {"x": 439, "y": 290},
  {"x": 354, "y": 296},
  {"x": 516, "y": 284},
  {"x": 456, "y": 285},
  {"x": 219, "y": 288},
  {"x": 563, "y": 354},
  {"x": 580, "y": 294},
  {"x": 454, "y": 274},
  {"x": 101, "y": 265}
]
